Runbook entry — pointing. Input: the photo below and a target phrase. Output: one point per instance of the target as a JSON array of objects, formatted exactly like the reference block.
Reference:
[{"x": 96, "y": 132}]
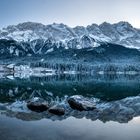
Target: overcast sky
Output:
[{"x": 70, "y": 12}]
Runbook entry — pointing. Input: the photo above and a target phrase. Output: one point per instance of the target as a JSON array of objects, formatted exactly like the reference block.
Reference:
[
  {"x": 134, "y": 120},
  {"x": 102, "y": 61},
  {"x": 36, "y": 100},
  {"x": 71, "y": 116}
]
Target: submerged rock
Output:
[
  {"x": 37, "y": 105},
  {"x": 80, "y": 103},
  {"x": 57, "y": 110}
]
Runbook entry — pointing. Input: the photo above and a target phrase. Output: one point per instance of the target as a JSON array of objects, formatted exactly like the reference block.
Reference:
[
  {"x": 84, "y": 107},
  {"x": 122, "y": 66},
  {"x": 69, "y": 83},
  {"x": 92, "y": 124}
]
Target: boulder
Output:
[
  {"x": 80, "y": 103},
  {"x": 37, "y": 104},
  {"x": 57, "y": 110}
]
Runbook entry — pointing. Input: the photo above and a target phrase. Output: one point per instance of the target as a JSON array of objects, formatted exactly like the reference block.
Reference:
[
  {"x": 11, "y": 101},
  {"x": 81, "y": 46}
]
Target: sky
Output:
[{"x": 70, "y": 12}]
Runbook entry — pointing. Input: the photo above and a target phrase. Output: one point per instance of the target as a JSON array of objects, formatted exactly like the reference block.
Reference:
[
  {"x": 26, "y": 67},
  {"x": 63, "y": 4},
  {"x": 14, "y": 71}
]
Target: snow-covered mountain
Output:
[
  {"x": 105, "y": 43},
  {"x": 121, "y": 33}
]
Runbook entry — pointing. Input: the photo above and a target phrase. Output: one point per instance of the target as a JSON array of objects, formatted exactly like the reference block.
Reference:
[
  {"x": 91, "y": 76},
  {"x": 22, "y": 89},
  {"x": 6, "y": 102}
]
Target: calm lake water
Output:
[
  {"x": 117, "y": 98},
  {"x": 68, "y": 129}
]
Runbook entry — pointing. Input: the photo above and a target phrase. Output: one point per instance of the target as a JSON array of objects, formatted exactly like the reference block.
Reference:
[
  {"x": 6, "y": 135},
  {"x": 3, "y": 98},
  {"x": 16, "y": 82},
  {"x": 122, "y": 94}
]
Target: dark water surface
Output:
[
  {"x": 104, "y": 87},
  {"x": 119, "y": 108}
]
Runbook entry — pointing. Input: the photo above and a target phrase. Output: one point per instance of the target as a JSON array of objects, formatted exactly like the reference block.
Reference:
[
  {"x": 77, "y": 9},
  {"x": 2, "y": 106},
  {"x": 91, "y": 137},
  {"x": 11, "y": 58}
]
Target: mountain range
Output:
[
  {"x": 105, "y": 42},
  {"x": 122, "y": 33}
]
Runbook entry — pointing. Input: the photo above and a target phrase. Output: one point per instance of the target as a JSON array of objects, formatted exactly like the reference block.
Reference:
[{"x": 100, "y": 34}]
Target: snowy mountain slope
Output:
[
  {"x": 41, "y": 51},
  {"x": 121, "y": 33}
]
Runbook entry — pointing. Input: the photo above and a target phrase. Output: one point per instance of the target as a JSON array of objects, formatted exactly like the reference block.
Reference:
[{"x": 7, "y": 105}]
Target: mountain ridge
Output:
[
  {"x": 58, "y": 43},
  {"x": 121, "y": 33}
]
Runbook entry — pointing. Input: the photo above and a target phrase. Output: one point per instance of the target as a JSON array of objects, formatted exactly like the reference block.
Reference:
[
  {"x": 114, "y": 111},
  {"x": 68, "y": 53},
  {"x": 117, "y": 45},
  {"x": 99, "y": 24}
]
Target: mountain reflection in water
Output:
[
  {"x": 117, "y": 96},
  {"x": 104, "y": 87}
]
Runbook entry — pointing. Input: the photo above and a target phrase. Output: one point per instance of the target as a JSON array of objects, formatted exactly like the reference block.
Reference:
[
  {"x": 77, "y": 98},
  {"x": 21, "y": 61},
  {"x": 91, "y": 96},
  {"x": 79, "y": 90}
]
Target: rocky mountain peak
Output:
[{"x": 121, "y": 33}]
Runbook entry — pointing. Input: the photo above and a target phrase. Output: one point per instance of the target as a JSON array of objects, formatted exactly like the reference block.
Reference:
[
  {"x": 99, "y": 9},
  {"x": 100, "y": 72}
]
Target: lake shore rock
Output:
[
  {"x": 37, "y": 104},
  {"x": 80, "y": 103},
  {"x": 57, "y": 110}
]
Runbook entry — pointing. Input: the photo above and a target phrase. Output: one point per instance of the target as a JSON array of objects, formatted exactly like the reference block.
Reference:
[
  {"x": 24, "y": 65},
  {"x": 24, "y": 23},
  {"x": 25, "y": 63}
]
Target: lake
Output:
[{"x": 116, "y": 117}]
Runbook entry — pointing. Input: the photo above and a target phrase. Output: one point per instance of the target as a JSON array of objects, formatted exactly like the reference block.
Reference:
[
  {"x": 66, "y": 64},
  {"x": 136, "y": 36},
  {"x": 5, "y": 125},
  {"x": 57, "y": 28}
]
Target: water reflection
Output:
[
  {"x": 118, "y": 95},
  {"x": 104, "y": 87},
  {"x": 68, "y": 129}
]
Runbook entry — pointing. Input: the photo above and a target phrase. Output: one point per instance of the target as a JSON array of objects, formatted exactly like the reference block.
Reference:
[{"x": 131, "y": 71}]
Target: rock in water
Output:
[
  {"x": 37, "y": 105},
  {"x": 57, "y": 110},
  {"x": 80, "y": 103}
]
